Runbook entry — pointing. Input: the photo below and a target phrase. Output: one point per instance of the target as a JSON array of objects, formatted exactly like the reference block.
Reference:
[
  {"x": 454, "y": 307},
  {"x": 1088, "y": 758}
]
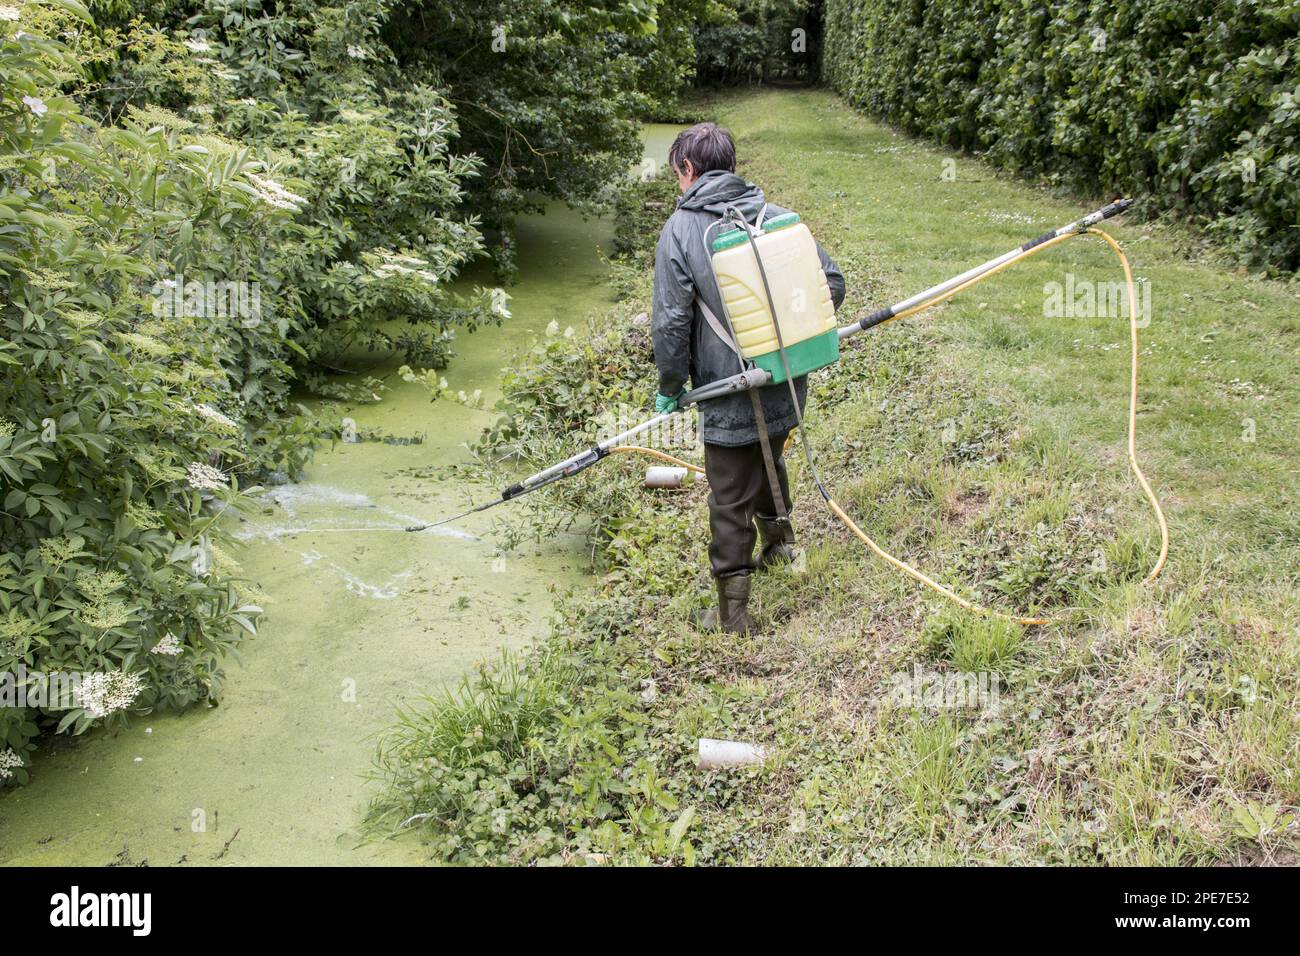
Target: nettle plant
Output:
[{"x": 124, "y": 422}]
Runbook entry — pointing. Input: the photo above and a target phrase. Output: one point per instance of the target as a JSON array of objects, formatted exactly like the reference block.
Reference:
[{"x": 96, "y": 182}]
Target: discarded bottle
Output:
[
  {"x": 661, "y": 476},
  {"x": 720, "y": 754}
]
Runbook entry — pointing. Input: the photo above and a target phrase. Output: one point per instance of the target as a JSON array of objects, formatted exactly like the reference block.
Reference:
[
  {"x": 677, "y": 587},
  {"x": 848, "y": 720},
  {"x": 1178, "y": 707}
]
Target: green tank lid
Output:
[
  {"x": 732, "y": 237},
  {"x": 781, "y": 221}
]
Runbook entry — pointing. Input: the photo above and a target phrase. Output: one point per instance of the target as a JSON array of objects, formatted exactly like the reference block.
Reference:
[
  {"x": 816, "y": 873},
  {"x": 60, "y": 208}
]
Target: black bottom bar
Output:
[{"x": 928, "y": 905}]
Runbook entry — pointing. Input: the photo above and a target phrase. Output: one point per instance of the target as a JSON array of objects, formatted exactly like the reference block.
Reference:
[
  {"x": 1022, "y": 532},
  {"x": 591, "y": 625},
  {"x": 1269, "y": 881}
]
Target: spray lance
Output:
[
  {"x": 583, "y": 460},
  {"x": 814, "y": 351}
]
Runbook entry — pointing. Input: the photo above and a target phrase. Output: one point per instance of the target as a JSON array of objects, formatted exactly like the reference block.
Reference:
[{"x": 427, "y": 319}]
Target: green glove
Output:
[{"x": 664, "y": 404}]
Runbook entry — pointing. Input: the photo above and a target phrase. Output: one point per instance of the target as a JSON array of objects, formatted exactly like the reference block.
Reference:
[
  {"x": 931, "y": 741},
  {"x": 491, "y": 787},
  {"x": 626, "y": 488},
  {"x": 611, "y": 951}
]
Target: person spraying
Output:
[{"x": 743, "y": 433}]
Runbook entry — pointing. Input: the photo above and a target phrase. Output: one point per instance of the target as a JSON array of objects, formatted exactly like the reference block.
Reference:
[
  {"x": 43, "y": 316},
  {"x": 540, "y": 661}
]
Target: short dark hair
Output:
[{"x": 707, "y": 145}]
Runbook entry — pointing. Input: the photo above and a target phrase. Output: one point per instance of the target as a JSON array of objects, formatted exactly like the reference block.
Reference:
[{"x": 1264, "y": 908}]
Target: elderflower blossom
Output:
[
  {"x": 145, "y": 517},
  {"x": 15, "y": 633},
  {"x": 7, "y": 428},
  {"x": 169, "y": 646},
  {"x": 393, "y": 265},
  {"x": 106, "y": 615},
  {"x": 15, "y": 627},
  {"x": 98, "y": 585},
  {"x": 205, "y": 477},
  {"x": 10, "y": 14},
  {"x": 56, "y": 552},
  {"x": 273, "y": 194},
  {"x": 214, "y": 416},
  {"x": 103, "y": 694},
  {"x": 9, "y": 759},
  {"x": 356, "y": 52}
]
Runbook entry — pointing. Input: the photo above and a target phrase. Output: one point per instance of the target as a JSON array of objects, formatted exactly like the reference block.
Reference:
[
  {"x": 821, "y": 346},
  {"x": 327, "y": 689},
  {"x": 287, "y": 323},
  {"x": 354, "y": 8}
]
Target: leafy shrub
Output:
[
  {"x": 546, "y": 93},
  {"x": 748, "y": 41},
  {"x": 1191, "y": 106},
  {"x": 124, "y": 424},
  {"x": 371, "y": 154},
  {"x": 191, "y": 218}
]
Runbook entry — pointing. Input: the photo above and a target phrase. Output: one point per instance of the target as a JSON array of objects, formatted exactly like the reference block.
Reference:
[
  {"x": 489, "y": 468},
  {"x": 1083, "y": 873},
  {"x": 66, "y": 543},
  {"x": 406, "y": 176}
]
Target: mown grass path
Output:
[{"x": 1160, "y": 719}]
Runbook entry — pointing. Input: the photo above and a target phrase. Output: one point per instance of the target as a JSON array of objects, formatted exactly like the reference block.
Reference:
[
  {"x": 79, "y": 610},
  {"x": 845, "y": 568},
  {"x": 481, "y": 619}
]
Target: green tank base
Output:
[{"x": 804, "y": 357}]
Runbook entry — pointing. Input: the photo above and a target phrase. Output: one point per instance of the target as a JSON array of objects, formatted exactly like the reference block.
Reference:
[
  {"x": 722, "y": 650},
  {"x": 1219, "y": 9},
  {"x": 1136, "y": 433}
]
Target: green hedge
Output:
[{"x": 1191, "y": 105}]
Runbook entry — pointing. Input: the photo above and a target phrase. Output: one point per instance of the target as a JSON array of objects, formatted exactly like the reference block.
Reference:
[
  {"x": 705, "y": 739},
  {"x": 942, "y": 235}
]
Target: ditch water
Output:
[{"x": 362, "y": 619}]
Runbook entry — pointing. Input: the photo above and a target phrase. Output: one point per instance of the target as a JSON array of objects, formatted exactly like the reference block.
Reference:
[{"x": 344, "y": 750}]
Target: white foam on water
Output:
[
  {"x": 294, "y": 499},
  {"x": 382, "y": 592}
]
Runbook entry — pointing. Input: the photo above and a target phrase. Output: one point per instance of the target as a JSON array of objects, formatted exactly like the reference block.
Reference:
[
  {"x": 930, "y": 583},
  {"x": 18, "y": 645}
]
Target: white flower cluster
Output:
[
  {"x": 197, "y": 45},
  {"x": 9, "y": 759},
  {"x": 169, "y": 646},
  {"x": 356, "y": 52},
  {"x": 205, "y": 477},
  {"x": 10, "y": 14},
  {"x": 214, "y": 416},
  {"x": 499, "y": 299},
  {"x": 103, "y": 694},
  {"x": 273, "y": 194},
  {"x": 393, "y": 265}
]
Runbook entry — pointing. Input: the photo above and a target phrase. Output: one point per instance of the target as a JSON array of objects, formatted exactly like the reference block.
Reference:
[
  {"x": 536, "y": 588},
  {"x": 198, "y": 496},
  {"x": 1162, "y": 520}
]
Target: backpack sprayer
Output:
[{"x": 780, "y": 335}]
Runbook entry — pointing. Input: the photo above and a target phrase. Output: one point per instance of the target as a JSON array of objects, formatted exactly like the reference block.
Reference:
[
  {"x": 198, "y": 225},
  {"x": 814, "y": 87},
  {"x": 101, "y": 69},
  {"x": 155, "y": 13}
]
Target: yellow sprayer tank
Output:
[{"x": 800, "y": 295}]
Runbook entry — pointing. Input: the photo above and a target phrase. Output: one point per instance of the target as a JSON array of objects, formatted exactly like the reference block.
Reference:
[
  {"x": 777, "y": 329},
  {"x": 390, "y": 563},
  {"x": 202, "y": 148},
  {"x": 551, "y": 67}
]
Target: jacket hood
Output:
[{"x": 717, "y": 189}]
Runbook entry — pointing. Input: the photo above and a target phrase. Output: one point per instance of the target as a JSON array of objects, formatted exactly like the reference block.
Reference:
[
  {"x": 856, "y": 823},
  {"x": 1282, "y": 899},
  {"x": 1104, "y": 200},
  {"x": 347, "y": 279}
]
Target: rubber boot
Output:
[
  {"x": 776, "y": 540},
  {"x": 732, "y": 612}
]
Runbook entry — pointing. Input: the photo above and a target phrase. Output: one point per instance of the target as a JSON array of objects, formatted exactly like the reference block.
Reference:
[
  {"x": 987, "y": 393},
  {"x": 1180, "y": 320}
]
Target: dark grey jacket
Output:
[{"x": 685, "y": 345}]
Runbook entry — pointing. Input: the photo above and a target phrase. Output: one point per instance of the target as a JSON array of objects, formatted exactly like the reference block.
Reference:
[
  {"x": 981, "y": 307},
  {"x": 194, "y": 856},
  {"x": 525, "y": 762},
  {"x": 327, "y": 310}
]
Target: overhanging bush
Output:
[
  {"x": 124, "y": 422},
  {"x": 189, "y": 218},
  {"x": 1192, "y": 105}
]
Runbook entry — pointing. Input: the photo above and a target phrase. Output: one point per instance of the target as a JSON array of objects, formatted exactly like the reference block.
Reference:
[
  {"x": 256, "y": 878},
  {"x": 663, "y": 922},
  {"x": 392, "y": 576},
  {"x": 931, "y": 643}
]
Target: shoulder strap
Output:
[
  {"x": 722, "y": 331},
  {"x": 718, "y": 328}
]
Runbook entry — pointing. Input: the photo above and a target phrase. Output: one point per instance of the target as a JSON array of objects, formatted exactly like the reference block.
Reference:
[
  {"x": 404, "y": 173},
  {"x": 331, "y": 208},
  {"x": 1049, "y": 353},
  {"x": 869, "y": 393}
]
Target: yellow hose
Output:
[
  {"x": 1132, "y": 435},
  {"x": 655, "y": 453},
  {"x": 1133, "y": 409}
]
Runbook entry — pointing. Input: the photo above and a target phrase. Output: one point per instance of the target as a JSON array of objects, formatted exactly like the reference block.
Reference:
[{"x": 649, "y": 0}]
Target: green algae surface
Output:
[{"x": 362, "y": 617}]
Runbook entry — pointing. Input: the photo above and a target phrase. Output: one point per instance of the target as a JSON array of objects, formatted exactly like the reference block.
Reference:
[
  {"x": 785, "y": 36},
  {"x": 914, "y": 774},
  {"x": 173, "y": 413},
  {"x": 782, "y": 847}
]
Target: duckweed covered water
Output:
[{"x": 363, "y": 617}]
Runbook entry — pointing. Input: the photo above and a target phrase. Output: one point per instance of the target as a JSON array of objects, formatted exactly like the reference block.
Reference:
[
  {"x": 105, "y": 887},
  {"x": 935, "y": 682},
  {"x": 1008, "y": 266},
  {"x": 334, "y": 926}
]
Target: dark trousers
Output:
[{"x": 739, "y": 488}]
